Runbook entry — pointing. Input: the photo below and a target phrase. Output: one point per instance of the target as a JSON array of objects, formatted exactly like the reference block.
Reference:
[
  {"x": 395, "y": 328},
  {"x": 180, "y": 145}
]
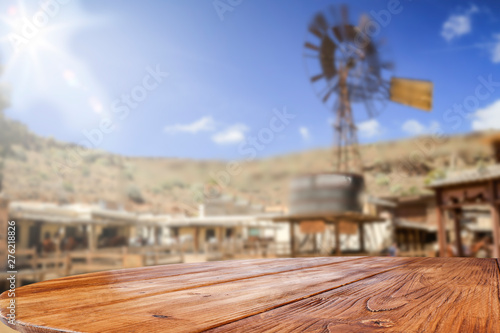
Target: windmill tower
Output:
[{"x": 346, "y": 68}]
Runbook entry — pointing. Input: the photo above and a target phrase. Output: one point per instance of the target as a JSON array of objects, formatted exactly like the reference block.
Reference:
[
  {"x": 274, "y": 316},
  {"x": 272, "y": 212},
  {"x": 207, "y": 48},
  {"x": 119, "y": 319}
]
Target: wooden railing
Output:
[
  {"x": 126, "y": 257},
  {"x": 94, "y": 261},
  {"x": 32, "y": 267},
  {"x": 238, "y": 249},
  {"x": 160, "y": 254}
]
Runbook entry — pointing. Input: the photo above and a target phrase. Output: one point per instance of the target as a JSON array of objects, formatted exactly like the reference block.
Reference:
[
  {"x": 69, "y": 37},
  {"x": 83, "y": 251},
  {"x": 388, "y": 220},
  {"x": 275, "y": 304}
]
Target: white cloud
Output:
[
  {"x": 458, "y": 24},
  {"x": 414, "y": 127},
  {"x": 370, "y": 128},
  {"x": 304, "y": 133},
  {"x": 232, "y": 134},
  {"x": 495, "y": 50},
  {"x": 203, "y": 124},
  {"x": 434, "y": 127},
  {"x": 487, "y": 117}
]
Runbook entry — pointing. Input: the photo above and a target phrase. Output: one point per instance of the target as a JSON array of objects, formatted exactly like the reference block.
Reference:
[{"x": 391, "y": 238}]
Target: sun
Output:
[
  {"x": 38, "y": 61},
  {"x": 33, "y": 34}
]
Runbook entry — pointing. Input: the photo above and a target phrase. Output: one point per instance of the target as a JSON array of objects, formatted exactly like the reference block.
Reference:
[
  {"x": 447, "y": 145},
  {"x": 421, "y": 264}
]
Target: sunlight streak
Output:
[{"x": 40, "y": 65}]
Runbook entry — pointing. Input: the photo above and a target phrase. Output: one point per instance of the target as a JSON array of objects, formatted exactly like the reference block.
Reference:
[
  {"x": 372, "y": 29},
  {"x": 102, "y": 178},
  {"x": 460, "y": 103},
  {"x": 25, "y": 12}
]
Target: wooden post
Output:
[
  {"x": 292, "y": 238},
  {"x": 495, "y": 221},
  {"x": 157, "y": 255},
  {"x": 157, "y": 235},
  {"x": 221, "y": 235},
  {"x": 67, "y": 264},
  {"x": 458, "y": 238},
  {"x": 152, "y": 234},
  {"x": 315, "y": 242},
  {"x": 91, "y": 237},
  {"x": 441, "y": 231},
  {"x": 124, "y": 256},
  {"x": 417, "y": 237},
  {"x": 4, "y": 224},
  {"x": 361, "y": 237},
  {"x": 196, "y": 239},
  {"x": 88, "y": 257},
  {"x": 337, "y": 238}
]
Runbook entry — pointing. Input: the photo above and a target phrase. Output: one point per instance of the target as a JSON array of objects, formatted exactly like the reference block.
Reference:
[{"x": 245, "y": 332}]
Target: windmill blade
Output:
[
  {"x": 319, "y": 25},
  {"x": 335, "y": 15},
  {"x": 316, "y": 32},
  {"x": 317, "y": 77},
  {"x": 338, "y": 28},
  {"x": 328, "y": 85},
  {"x": 389, "y": 65},
  {"x": 382, "y": 41},
  {"x": 327, "y": 57},
  {"x": 329, "y": 93},
  {"x": 315, "y": 56},
  {"x": 369, "y": 108},
  {"x": 336, "y": 36},
  {"x": 364, "y": 20},
  {"x": 414, "y": 93},
  {"x": 344, "y": 15},
  {"x": 311, "y": 46}
]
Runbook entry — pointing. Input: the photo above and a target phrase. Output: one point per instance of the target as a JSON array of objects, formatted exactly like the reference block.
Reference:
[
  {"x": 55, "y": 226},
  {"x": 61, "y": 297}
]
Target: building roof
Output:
[
  {"x": 92, "y": 214},
  {"x": 331, "y": 217},
  {"x": 405, "y": 224},
  {"x": 473, "y": 227},
  {"x": 410, "y": 198},
  {"x": 468, "y": 176},
  {"x": 222, "y": 221},
  {"x": 379, "y": 201}
]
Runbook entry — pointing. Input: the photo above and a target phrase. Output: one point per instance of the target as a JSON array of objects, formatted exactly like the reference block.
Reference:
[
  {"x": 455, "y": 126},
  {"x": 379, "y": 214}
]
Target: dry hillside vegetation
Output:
[{"x": 175, "y": 185}]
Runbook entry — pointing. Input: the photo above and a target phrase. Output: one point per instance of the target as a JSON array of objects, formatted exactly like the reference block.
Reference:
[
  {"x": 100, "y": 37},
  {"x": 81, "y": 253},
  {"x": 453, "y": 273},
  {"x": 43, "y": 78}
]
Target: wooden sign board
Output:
[
  {"x": 312, "y": 227},
  {"x": 415, "y": 93},
  {"x": 347, "y": 228}
]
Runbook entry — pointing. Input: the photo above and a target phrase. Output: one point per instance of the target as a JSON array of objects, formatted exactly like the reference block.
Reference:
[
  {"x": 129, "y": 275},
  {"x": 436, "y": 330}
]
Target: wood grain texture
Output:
[
  {"x": 430, "y": 295},
  {"x": 126, "y": 285},
  {"x": 335, "y": 294}
]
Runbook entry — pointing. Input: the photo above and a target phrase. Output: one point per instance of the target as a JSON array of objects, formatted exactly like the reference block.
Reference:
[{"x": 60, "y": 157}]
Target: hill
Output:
[{"x": 39, "y": 168}]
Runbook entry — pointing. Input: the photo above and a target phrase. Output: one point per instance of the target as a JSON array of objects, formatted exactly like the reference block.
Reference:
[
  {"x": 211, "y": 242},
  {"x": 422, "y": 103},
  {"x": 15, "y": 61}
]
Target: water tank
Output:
[{"x": 325, "y": 193}]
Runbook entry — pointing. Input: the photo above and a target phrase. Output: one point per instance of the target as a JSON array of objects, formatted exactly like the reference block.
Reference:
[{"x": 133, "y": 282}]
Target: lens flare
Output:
[{"x": 40, "y": 64}]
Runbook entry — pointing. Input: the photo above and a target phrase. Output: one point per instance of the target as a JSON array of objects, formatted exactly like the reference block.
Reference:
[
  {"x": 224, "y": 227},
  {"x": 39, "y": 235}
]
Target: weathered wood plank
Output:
[
  {"x": 119, "y": 285},
  {"x": 201, "y": 307},
  {"x": 430, "y": 295},
  {"x": 230, "y": 267},
  {"x": 115, "y": 286}
]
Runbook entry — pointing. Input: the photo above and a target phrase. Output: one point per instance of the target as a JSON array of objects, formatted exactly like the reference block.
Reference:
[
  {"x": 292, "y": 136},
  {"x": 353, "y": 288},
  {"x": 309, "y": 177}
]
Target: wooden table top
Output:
[{"x": 331, "y": 294}]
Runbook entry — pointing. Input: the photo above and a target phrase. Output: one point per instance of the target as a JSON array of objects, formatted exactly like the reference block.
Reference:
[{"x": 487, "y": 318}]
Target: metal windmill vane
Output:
[{"x": 346, "y": 67}]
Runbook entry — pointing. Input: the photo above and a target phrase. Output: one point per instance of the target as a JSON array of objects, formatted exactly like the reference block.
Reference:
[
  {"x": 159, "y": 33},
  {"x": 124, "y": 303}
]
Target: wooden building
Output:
[
  {"x": 415, "y": 224},
  {"x": 467, "y": 188}
]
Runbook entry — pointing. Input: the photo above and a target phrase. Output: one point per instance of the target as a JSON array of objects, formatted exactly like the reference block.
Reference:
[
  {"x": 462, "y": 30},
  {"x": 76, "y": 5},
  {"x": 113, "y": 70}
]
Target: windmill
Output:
[{"x": 346, "y": 67}]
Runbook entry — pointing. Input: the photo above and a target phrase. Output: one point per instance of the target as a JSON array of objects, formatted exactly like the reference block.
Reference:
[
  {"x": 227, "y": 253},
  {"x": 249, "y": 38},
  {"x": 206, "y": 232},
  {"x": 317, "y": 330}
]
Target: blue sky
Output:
[{"x": 229, "y": 71}]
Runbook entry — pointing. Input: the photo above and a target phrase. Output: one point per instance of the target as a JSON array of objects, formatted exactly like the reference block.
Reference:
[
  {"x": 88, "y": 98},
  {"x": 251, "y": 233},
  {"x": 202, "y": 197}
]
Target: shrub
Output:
[
  {"x": 68, "y": 187},
  {"x": 134, "y": 194},
  {"x": 396, "y": 189},
  {"x": 382, "y": 180},
  {"x": 85, "y": 171},
  {"x": 168, "y": 185},
  {"x": 434, "y": 175},
  {"x": 20, "y": 155},
  {"x": 414, "y": 190}
]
